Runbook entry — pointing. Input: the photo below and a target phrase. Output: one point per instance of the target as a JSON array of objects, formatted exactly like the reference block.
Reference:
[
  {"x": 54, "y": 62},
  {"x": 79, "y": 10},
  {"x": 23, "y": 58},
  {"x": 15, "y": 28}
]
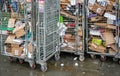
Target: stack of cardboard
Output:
[
  {"x": 13, "y": 42},
  {"x": 102, "y": 15}
]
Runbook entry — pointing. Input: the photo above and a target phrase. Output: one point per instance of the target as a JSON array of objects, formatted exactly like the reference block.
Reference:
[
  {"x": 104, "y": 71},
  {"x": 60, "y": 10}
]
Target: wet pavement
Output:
[{"x": 66, "y": 66}]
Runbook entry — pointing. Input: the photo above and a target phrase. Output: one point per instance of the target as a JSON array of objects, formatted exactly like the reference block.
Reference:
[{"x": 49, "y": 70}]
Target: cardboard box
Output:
[
  {"x": 108, "y": 37},
  {"x": 10, "y": 39},
  {"x": 11, "y": 22},
  {"x": 97, "y": 9},
  {"x": 17, "y": 51},
  {"x": 20, "y": 33}
]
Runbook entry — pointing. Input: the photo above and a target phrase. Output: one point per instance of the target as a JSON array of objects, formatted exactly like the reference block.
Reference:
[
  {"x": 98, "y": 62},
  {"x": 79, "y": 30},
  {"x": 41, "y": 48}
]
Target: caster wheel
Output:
[
  {"x": 103, "y": 59},
  {"x": 21, "y": 61},
  {"x": 93, "y": 56},
  {"x": 32, "y": 65},
  {"x": 81, "y": 58},
  {"x": 43, "y": 68},
  {"x": 11, "y": 59},
  {"x": 115, "y": 59},
  {"x": 57, "y": 57}
]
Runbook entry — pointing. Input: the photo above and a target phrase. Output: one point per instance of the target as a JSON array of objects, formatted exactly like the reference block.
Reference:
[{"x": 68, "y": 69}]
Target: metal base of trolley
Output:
[{"x": 103, "y": 56}]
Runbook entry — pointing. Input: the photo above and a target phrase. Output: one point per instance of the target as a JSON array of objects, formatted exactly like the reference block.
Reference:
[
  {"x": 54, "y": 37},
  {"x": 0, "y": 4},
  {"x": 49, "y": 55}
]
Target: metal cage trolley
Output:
[
  {"x": 102, "y": 29},
  {"x": 14, "y": 31},
  {"x": 47, "y": 33},
  {"x": 73, "y": 40}
]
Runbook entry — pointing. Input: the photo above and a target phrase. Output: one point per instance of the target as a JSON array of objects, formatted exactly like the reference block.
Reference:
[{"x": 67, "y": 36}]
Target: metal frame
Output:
[
  {"x": 26, "y": 20},
  {"x": 77, "y": 39},
  {"x": 47, "y": 36},
  {"x": 92, "y": 53}
]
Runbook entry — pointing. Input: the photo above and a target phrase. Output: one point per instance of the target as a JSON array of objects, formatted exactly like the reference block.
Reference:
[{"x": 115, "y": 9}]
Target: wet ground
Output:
[{"x": 71, "y": 67}]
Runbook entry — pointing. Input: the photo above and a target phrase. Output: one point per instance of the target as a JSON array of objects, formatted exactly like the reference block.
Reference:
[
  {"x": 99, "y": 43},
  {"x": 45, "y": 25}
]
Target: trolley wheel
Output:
[
  {"x": 32, "y": 65},
  {"x": 21, "y": 61},
  {"x": 11, "y": 59},
  {"x": 81, "y": 58},
  {"x": 57, "y": 57},
  {"x": 115, "y": 59},
  {"x": 102, "y": 58},
  {"x": 93, "y": 56},
  {"x": 44, "y": 68}
]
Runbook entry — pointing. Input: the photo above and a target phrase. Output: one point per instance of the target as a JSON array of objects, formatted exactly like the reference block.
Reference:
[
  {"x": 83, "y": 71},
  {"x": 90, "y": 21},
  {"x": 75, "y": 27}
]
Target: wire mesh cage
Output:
[
  {"x": 47, "y": 36},
  {"x": 101, "y": 29},
  {"x": 15, "y": 30},
  {"x": 73, "y": 27}
]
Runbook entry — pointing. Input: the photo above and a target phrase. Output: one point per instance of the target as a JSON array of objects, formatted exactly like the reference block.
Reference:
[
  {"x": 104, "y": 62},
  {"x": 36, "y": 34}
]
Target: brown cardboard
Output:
[
  {"x": 100, "y": 49},
  {"x": 15, "y": 45},
  {"x": 65, "y": 1},
  {"x": 69, "y": 15},
  {"x": 10, "y": 39},
  {"x": 108, "y": 37},
  {"x": 30, "y": 48},
  {"x": 97, "y": 9},
  {"x": 80, "y": 33},
  {"x": 109, "y": 7},
  {"x": 111, "y": 51},
  {"x": 17, "y": 28},
  {"x": 97, "y": 18},
  {"x": 110, "y": 26},
  {"x": 114, "y": 47},
  {"x": 20, "y": 33},
  {"x": 11, "y": 22},
  {"x": 105, "y": 25},
  {"x": 17, "y": 51}
]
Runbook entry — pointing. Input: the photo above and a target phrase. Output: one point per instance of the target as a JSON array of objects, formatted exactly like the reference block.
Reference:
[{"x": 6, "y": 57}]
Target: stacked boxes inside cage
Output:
[{"x": 102, "y": 27}]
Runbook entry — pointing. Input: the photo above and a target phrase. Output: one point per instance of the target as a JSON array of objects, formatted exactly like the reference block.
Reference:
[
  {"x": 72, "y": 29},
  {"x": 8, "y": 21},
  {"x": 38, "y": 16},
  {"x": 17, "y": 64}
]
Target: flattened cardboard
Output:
[
  {"x": 10, "y": 39},
  {"x": 105, "y": 25},
  {"x": 97, "y": 18},
  {"x": 17, "y": 28},
  {"x": 100, "y": 49},
  {"x": 108, "y": 37},
  {"x": 17, "y": 51},
  {"x": 20, "y": 33},
  {"x": 15, "y": 45},
  {"x": 97, "y": 9},
  {"x": 69, "y": 15},
  {"x": 111, "y": 51}
]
